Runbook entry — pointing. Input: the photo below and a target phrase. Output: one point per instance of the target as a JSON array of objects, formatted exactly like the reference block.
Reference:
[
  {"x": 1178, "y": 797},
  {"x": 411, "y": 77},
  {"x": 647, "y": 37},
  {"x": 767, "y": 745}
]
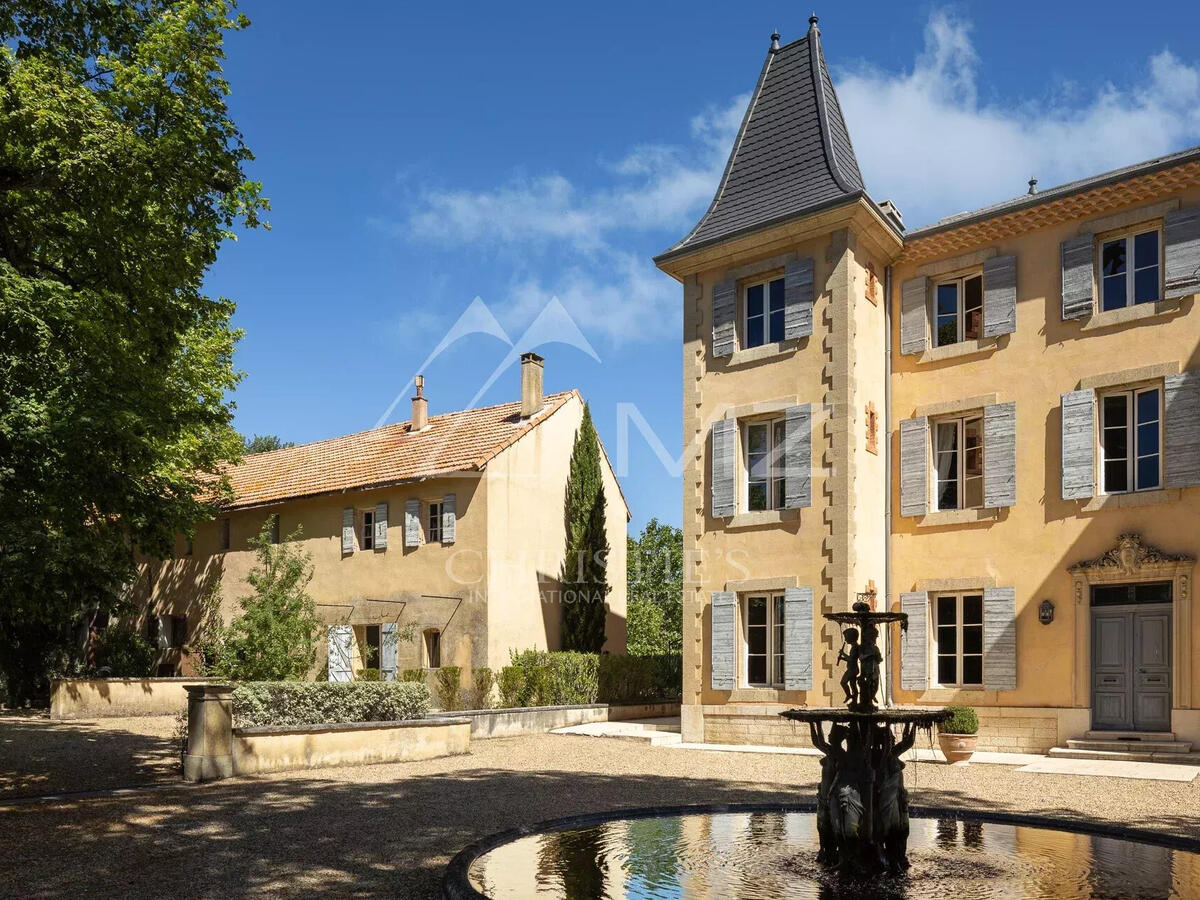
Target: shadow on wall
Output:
[
  {"x": 551, "y": 588},
  {"x": 179, "y": 586}
]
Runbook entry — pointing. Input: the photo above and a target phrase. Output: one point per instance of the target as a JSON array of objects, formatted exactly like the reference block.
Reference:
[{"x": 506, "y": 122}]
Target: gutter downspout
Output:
[{"x": 887, "y": 468}]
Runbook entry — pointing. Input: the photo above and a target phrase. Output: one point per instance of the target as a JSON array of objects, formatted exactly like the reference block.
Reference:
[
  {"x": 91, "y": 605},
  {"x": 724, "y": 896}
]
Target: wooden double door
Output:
[{"x": 1131, "y": 657}]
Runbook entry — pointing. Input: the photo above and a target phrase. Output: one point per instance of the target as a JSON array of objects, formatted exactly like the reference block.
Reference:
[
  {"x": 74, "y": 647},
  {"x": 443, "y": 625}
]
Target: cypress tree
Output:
[{"x": 584, "y": 577}]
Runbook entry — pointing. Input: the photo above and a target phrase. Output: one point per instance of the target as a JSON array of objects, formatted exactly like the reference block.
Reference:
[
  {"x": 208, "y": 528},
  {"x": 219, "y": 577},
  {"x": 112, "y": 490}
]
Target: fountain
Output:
[{"x": 862, "y": 806}]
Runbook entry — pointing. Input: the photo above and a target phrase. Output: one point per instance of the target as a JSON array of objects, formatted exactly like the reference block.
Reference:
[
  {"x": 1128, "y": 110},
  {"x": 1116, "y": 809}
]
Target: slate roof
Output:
[
  {"x": 792, "y": 155},
  {"x": 463, "y": 441}
]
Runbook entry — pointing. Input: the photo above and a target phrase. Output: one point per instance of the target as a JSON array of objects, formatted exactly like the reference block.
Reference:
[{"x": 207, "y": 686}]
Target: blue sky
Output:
[{"x": 536, "y": 155}]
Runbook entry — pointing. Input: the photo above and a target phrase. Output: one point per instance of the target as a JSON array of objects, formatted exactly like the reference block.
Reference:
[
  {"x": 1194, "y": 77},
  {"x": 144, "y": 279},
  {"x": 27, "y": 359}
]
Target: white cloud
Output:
[{"x": 925, "y": 139}]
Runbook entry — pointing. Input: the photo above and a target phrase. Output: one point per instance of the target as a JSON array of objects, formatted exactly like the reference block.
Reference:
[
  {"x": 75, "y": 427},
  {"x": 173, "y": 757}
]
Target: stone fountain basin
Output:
[{"x": 925, "y": 716}]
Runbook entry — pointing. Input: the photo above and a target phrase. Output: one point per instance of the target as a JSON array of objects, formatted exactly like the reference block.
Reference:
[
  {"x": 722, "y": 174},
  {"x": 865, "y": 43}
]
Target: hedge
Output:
[
  {"x": 327, "y": 702},
  {"x": 629, "y": 679},
  {"x": 564, "y": 678}
]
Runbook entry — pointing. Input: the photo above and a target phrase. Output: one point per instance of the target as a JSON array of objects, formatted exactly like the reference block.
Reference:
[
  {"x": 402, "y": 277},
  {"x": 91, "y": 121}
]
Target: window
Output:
[
  {"x": 872, "y": 429},
  {"x": 1129, "y": 270},
  {"x": 435, "y": 521},
  {"x": 189, "y": 546},
  {"x": 433, "y": 649},
  {"x": 371, "y": 645},
  {"x": 958, "y": 459},
  {"x": 225, "y": 534},
  {"x": 764, "y": 465},
  {"x": 179, "y": 631},
  {"x": 764, "y": 313},
  {"x": 958, "y": 627},
  {"x": 368, "y": 529},
  {"x": 764, "y": 640},
  {"x": 958, "y": 310},
  {"x": 1131, "y": 440},
  {"x": 274, "y": 520}
]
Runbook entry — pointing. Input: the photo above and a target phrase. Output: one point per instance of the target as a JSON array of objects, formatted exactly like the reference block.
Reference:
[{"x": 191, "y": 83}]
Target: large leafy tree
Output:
[
  {"x": 585, "y": 578},
  {"x": 264, "y": 443},
  {"x": 655, "y": 578},
  {"x": 121, "y": 173}
]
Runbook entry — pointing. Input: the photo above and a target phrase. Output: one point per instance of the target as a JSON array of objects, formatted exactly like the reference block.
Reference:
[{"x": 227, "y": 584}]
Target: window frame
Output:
[
  {"x": 433, "y": 523},
  {"x": 958, "y": 653},
  {"x": 959, "y": 279},
  {"x": 1129, "y": 235},
  {"x": 431, "y": 640},
  {"x": 776, "y": 480},
  {"x": 960, "y": 420},
  {"x": 366, "y": 534},
  {"x": 225, "y": 534},
  {"x": 368, "y": 644},
  {"x": 765, "y": 283},
  {"x": 1132, "y": 440},
  {"x": 775, "y": 658}
]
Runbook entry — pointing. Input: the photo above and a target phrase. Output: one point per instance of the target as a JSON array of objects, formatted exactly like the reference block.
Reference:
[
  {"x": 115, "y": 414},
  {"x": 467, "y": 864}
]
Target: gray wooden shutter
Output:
[
  {"x": 914, "y": 316},
  {"x": 914, "y": 466},
  {"x": 999, "y": 639},
  {"x": 348, "y": 530},
  {"x": 724, "y": 468},
  {"x": 1181, "y": 429},
  {"x": 914, "y": 642},
  {"x": 1000, "y": 455},
  {"x": 999, "y": 296},
  {"x": 162, "y": 632},
  {"x": 723, "y": 647},
  {"x": 797, "y": 456},
  {"x": 449, "y": 518},
  {"x": 412, "y": 523},
  {"x": 340, "y": 637},
  {"x": 798, "y": 638},
  {"x": 389, "y": 650},
  {"x": 1078, "y": 445},
  {"x": 724, "y": 311},
  {"x": 1181, "y": 243},
  {"x": 1078, "y": 292},
  {"x": 381, "y": 526},
  {"x": 798, "y": 299}
]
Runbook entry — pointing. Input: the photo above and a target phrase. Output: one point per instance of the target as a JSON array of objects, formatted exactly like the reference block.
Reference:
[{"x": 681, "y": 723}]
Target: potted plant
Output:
[{"x": 958, "y": 735}]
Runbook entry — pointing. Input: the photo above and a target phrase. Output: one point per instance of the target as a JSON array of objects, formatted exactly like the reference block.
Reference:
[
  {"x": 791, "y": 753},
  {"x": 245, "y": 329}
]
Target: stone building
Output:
[{"x": 991, "y": 423}]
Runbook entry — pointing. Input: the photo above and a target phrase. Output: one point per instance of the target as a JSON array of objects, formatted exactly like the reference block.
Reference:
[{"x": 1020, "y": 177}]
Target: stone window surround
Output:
[
  {"x": 937, "y": 518},
  {"x": 763, "y": 268},
  {"x": 747, "y": 519}
]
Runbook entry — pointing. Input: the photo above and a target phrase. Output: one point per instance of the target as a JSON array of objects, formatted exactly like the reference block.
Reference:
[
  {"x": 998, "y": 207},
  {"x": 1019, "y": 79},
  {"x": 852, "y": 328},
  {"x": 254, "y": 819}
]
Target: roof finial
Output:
[
  {"x": 774, "y": 40},
  {"x": 812, "y": 22},
  {"x": 1033, "y": 185}
]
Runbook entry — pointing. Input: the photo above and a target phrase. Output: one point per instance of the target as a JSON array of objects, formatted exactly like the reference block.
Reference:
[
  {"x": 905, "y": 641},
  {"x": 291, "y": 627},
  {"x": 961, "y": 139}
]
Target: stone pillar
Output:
[{"x": 210, "y": 732}]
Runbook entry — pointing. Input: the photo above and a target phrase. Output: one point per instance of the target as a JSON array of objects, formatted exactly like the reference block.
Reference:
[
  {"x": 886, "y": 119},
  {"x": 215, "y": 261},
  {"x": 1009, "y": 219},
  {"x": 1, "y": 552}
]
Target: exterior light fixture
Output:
[{"x": 1046, "y": 612}]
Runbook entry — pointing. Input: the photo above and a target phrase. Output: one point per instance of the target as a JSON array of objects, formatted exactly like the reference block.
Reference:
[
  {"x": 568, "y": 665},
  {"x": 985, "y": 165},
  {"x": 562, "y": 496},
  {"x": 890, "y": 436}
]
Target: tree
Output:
[
  {"x": 655, "y": 578},
  {"x": 584, "y": 577},
  {"x": 274, "y": 637},
  {"x": 121, "y": 173},
  {"x": 264, "y": 443}
]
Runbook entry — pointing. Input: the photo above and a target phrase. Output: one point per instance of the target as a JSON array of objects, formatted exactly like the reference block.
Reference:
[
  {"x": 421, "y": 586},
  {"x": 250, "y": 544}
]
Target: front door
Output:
[{"x": 1131, "y": 658}]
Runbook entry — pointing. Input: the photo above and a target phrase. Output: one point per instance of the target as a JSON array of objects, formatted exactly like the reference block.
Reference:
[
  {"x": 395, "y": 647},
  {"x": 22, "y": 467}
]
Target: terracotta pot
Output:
[{"x": 957, "y": 748}]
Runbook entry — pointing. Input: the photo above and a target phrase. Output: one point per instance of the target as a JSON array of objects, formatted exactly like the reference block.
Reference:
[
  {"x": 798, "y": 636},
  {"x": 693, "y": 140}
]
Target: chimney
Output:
[
  {"x": 420, "y": 413},
  {"x": 531, "y": 384},
  {"x": 889, "y": 210}
]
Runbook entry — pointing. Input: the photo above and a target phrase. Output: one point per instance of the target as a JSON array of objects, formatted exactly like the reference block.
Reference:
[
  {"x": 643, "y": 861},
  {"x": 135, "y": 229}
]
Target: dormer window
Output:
[
  {"x": 763, "y": 322},
  {"x": 958, "y": 308},
  {"x": 1129, "y": 270}
]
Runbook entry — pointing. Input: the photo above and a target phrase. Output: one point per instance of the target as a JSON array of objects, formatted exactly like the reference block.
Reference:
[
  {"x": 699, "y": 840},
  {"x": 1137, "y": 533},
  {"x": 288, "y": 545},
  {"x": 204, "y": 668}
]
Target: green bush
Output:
[
  {"x": 963, "y": 720},
  {"x": 413, "y": 675},
  {"x": 327, "y": 702},
  {"x": 511, "y": 684},
  {"x": 479, "y": 694},
  {"x": 448, "y": 687},
  {"x": 123, "y": 653},
  {"x": 566, "y": 678},
  {"x": 368, "y": 675},
  {"x": 536, "y": 690},
  {"x": 632, "y": 679}
]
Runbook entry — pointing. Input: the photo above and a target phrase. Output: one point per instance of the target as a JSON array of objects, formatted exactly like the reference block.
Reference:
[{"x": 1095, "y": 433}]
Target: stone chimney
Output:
[
  {"x": 890, "y": 211},
  {"x": 420, "y": 413},
  {"x": 532, "y": 367}
]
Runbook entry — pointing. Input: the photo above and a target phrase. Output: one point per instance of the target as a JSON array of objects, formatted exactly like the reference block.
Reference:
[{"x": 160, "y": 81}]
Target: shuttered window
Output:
[
  {"x": 723, "y": 442},
  {"x": 367, "y": 532},
  {"x": 723, "y": 641},
  {"x": 1131, "y": 440},
  {"x": 958, "y": 462},
  {"x": 763, "y": 633},
  {"x": 958, "y": 634},
  {"x": 763, "y": 313},
  {"x": 1130, "y": 270},
  {"x": 764, "y": 462},
  {"x": 958, "y": 309},
  {"x": 724, "y": 312},
  {"x": 434, "y": 534}
]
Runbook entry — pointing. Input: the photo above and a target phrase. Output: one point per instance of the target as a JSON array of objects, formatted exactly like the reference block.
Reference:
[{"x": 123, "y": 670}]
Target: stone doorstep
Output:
[
  {"x": 1132, "y": 746},
  {"x": 1129, "y": 755}
]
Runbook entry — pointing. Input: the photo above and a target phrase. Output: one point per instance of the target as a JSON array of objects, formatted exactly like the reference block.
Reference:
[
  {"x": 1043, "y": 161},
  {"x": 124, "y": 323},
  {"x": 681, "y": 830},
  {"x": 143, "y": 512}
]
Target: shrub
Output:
[
  {"x": 327, "y": 702},
  {"x": 573, "y": 678},
  {"x": 479, "y": 695},
  {"x": 123, "y": 653},
  {"x": 368, "y": 675},
  {"x": 512, "y": 685},
  {"x": 963, "y": 720},
  {"x": 536, "y": 689},
  {"x": 630, "y": 679},
  {"x": 413, "y": 675},
  {"x": 448, "y": 686}
]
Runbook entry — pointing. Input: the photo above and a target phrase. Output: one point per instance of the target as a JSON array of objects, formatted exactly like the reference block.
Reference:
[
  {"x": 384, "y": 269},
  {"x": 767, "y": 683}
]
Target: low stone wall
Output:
[
  {"x": 494, "y": 723},
  {"x": 1017, "y": 730},
  {"x": 97, "y": 698},
  {"x": 737, "y": 723},
  {"x": 280, "y": 749}
]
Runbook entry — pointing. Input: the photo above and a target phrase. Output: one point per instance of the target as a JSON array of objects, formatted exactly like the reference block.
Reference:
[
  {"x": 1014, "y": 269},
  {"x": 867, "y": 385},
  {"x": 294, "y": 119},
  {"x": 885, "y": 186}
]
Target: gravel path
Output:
[{"x": 390, "y": 829}]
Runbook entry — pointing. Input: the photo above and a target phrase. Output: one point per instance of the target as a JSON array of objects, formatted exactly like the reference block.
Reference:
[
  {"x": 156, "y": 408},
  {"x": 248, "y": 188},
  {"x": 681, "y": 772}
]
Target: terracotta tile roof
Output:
[{"x": 452, "y": 442}]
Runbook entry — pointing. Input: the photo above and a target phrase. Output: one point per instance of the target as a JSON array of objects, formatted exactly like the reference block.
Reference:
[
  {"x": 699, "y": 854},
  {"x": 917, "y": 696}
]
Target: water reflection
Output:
[{"x": 770, "y": 856}]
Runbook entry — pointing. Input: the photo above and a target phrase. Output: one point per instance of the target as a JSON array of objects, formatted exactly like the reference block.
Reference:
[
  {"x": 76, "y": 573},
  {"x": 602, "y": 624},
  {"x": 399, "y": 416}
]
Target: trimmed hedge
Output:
[
  {"x": 630, "y": 679},
  {"x": 565, "y": 678},
  {"x": 327, "y": 702}
]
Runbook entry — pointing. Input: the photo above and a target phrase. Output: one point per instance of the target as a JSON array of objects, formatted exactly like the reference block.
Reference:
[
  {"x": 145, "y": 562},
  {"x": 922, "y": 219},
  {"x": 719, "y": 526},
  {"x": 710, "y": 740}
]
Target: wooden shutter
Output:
[
  {"x": 724, "y": 468},
  {"x": 1078, "y": 445},
  {"x": 162, "y": 630},
  {"x": 389, "y": 650},
  {"x": 914, "y": 316},
  {"x": 1181, "y": 244},
  {"x": 999, "y": 639},
  {"x": 798, "y": 638},
  {"x": 797, "y": 456},
  {"x": 999, "y": 296},
  {"x": 723, "y": 649},
  {"x": 381, "y": 526},
  {"x": 340, "y": 638},
  {"x": 412, "y": 523},
  {"x": 724, "y": 311},
  {"x": 348, "y": 530},
  {"x": 1000, "y": 455},
  {"x": 914, "y": 642},
  {"x": 449, "y": 517},
  {"x": 1078, "y": 290},
  {"x": 1181, "y": 429},
  {"x": 914, "y": 466},
  {"x": 798, "y": 299}
]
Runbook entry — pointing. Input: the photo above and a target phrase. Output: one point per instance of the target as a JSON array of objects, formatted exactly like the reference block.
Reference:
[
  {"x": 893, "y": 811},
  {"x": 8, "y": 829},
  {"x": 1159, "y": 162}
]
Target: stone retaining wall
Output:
[{"x": 98, "y": 698}]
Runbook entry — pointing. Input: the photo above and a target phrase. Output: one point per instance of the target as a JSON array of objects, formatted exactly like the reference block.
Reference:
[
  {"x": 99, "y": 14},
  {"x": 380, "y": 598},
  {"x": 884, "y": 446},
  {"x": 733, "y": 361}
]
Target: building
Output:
[
  {"x": 991, "y": 423},
  {"x": 452, "y": 523}
]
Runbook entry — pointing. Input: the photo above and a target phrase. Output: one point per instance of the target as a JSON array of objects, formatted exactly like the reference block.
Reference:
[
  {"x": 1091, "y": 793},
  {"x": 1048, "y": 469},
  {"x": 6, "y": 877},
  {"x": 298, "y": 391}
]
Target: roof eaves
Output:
[{"x": 351, "y": 489}]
